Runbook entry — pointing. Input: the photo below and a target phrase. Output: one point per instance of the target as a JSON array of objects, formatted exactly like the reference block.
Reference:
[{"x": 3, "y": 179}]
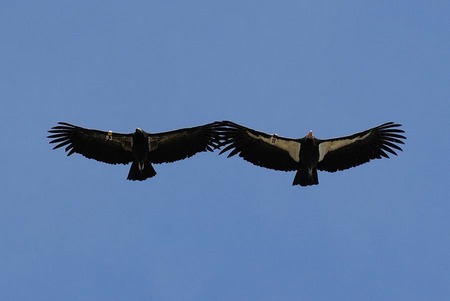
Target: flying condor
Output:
[
  {"x": 140, "y": 148},
  {"x": 306, "y": 155}
]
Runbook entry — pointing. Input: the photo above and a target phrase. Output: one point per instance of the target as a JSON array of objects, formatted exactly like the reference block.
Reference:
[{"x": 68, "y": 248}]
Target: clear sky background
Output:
[{"x": 212, "y": 228}]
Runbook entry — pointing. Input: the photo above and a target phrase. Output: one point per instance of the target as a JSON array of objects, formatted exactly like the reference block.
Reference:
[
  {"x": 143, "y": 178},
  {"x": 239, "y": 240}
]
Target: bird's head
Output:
[
  {"x": 139, "y": 133},
  {"x": 309, "y": 135}
]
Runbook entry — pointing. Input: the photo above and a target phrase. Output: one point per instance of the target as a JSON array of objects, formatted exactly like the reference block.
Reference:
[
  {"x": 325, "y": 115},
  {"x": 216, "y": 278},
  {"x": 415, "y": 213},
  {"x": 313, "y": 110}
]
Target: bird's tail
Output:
[
  {"x": 141, "y": 171},
  {"x": 306, "y": 176}
]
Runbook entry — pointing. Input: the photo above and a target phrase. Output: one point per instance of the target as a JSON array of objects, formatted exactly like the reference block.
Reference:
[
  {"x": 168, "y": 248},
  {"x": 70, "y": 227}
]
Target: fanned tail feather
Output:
[
  {"x": 141, "y": 174},
  {"x": 306, "y": 176}
]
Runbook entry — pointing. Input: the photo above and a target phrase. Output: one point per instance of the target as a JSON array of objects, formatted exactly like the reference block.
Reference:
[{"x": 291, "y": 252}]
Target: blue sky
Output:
[{"x": 212, "y": 228}]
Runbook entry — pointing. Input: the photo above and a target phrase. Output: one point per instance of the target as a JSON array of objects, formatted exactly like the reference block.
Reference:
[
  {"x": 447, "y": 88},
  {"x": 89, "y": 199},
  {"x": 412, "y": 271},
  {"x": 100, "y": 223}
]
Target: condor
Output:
[
  {"x": 309, "y": 154},
  {"x": 140, "y": 148}
]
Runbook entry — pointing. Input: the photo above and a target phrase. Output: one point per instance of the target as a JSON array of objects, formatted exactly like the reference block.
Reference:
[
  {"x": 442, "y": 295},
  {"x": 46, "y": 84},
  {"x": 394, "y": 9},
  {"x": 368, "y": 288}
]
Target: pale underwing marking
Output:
[
  {"x": 328, "y": 146},
  {"x": 290, "y": 146}
]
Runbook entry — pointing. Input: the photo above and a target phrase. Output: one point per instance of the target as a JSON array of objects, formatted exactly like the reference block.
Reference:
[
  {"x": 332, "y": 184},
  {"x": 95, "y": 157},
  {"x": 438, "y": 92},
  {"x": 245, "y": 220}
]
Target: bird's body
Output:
[
  {"x": 139, "y": 148},
  {"x": 309, "y": 154},
  {"x": 308, "y": 158},
  {"x": 141, "y": 168}
]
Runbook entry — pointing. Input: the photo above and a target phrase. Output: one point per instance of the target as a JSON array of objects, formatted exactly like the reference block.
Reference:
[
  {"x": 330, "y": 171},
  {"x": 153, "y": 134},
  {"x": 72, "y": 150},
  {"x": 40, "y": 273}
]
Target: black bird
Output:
[
  {"x": 306, "y": 155},
  {"x": 140, "y": 148}
]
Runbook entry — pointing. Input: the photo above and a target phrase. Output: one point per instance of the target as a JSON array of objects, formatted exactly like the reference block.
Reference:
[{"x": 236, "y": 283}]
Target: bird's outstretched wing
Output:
[
  {"x": 269, "y": 151},
  {"x": 350, "y": 151},
  {"x": 183, "y": 143},
  {"x": 102, "y": 146}
]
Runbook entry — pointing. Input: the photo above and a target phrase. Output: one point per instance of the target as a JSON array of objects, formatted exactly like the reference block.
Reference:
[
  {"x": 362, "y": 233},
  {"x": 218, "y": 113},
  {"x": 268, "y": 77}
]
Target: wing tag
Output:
[
  {"x": 109, "y": 136},
  {"x": 273, "y": 139}
]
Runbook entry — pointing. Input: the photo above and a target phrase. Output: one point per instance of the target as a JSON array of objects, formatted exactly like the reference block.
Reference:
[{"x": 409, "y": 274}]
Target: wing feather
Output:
[
  {"x": 350, "y": 151},
  {"x": 183, "y": 143},
  {"x": 269, "y": 151},
  {"x": 108, "y": 147}
]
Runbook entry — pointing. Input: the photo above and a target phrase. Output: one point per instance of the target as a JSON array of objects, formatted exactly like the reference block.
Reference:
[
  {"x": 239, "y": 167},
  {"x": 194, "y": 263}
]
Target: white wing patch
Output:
[
  {"x": 291, "y": 147},
  {"x": 329, "y": 146}
]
